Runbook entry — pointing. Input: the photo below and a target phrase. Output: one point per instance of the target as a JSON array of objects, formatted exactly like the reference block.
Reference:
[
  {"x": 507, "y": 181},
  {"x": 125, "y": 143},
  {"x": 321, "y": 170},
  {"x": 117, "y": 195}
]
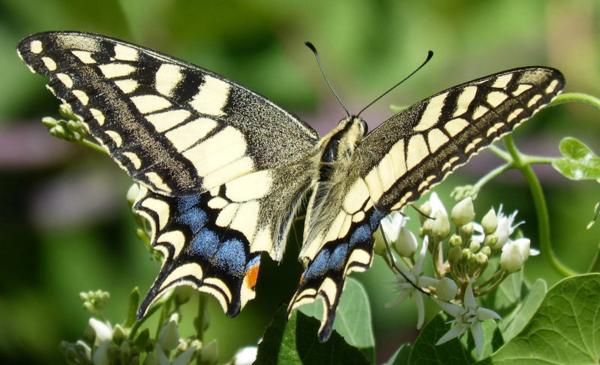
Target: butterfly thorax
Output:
[{"x": 334, "y": 159}]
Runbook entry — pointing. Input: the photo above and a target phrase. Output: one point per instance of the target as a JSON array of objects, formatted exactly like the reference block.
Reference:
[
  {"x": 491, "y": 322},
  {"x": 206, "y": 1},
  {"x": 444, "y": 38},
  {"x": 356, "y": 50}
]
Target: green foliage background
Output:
[{"x": 65, "y": 226}]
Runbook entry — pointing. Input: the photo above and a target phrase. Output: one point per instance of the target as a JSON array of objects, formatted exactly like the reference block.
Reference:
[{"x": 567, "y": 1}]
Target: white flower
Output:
[
  {"x": 515, "y": 253},
  {"x": 103, "y": 330},
  {"x": 467, "y": 317},
  {"x": 506, "y": 227},
  {"x": 391, "y": 225},
  {"x": 439, "y": 226},
  {"x": 415, "y": 275},
  {"x": 394, "y": 229},
  {"x": 245, "y": 356}
]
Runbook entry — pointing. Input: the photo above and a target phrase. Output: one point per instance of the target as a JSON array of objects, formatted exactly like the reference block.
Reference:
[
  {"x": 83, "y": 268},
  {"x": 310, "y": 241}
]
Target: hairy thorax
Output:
[{"x": 334, "y": 158}]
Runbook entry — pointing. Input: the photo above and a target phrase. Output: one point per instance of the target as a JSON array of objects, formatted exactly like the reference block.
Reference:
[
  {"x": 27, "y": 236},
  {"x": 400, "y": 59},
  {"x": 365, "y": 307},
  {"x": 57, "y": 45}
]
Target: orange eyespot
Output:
[{"x": 252, "y": 276}]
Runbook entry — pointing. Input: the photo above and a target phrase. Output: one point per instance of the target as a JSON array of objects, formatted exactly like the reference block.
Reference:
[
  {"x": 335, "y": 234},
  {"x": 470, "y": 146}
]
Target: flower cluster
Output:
[
  {"x": 461, "y": 251},
  {"x": 105, "y": 343}
]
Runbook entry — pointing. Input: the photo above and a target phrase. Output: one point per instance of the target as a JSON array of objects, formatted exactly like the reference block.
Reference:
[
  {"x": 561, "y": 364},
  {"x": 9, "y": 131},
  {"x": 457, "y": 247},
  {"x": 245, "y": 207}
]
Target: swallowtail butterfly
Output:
[{"x": 222, "y": 170}]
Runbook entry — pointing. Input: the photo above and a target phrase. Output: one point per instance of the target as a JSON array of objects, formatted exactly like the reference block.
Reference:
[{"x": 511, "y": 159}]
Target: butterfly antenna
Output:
[
  {"x": 429, "y": 55},
  {"x": 314, "y": 51}
]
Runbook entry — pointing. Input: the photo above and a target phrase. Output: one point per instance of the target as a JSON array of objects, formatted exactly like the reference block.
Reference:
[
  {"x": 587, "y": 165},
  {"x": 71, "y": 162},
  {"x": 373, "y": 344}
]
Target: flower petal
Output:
[
  {"x": 485, "y": 314},
  {"x": 469, "y": 298},
  {"x": 451, "y": 308},
  {"x": 421, "y": 258},
  {"x": 454, "y": 332},
  {"x": 477, "y": 333}
]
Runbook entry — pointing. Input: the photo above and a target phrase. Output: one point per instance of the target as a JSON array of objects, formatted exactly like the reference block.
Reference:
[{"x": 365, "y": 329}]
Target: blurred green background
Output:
[{"x": 65, "y": 226}]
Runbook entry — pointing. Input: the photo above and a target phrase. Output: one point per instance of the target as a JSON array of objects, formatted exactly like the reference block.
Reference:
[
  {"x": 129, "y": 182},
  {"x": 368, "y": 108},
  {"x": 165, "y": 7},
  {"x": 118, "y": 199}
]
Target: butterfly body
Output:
[{"x": 222, "y": 171}]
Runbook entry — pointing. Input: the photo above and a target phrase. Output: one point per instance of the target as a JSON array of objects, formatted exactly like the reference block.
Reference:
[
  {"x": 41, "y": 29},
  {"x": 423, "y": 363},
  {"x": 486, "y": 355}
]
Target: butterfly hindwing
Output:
[
  {"x": 174, "y": 127},
  {"x": 403, "y": 158}
]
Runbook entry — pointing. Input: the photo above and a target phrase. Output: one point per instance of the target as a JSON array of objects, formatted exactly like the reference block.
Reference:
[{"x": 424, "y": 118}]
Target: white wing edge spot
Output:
[
  {"x": 125, "y": 53},
  {"x": 36, "y": 46}
]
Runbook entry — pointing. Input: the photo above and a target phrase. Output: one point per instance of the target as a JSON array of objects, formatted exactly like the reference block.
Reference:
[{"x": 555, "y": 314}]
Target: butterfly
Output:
[{"x": 222, "y": 170}]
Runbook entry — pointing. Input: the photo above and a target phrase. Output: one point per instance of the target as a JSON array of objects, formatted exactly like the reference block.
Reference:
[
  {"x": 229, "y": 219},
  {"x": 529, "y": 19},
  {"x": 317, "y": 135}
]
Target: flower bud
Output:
[
  {"x": 480, "y": 258},
  {"x": 119, "y": 334},
  {"x": 425, "y": 210},
  {"x": 379, "y": 246},
  {"x": 466, "y": 254},
  {"x": 489, "y": 222},
  {"x": 474, "y": 245},
  {"x": 210, "y": 354},
  {"x": 133, "y": 193},
  {"x": 491, "y": 240},
  {"x": 454, "y": 255},
  {"x": 440, "y": 227},
  {"x": 446, "y": 289},
  {"x": 455, "y": 241},
  {"x": 168, "y": 337},
  {"x": 486, "y": 250},
  {"x": 406, "y": 244},
  {"x": 512, "y": 258},
  {"x": 463, "y": 212},
  {"x": 467, "y": 229}
]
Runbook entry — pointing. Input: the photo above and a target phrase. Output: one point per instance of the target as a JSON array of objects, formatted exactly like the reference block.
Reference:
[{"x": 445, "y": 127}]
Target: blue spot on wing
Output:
[
  {"x": 205, "y": 244},
  {"x": 338, "y": 257},
  {"x": 318, "y": 267},
  {"x": 360, "y": 234},
  {"x": 194, "y": 218},
  {"x": 232, "y": 257},
  {"x": 187, "y": 202}
]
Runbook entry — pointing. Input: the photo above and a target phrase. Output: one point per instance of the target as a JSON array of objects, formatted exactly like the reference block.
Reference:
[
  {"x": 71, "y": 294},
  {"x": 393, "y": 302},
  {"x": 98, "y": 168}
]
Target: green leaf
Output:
[
  {"x": 353, "y": 318},
  {"x": 424, "y": 350},
  {"x": 514, "y": 323},
  {"x": 509, "y": 292},
  {"x": 400, "y": 357},
  {"x": 563, "y": 330},
  {"x": 295, "y": 342},
  {"x": 579, "y": 162}
]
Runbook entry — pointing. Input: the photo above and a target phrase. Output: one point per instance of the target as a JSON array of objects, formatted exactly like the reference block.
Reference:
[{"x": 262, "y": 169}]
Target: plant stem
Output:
[
  {"x": 492, "y": 174},
  {"x": 576, "y": 98},
  {"x": 500, "y": 153},
  {"x": 541, "y": 209},
  {"x": 89, "y": 144}
]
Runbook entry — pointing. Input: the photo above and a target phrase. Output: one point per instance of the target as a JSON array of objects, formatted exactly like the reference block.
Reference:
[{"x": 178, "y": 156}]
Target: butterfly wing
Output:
[
  {"x": 404, "y": 157},
  {"x": 194, "y": 142}
]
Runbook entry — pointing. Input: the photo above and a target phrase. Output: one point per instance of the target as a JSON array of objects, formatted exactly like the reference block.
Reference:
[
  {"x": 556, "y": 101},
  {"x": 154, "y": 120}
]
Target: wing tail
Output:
[{"x": 326, "y": 274}]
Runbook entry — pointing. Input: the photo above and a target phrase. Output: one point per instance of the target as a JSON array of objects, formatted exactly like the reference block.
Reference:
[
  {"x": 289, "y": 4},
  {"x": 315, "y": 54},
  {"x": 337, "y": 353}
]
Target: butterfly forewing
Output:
[
  {"x": 418, "y": 147},
  {"x": 174, "y": 127}
]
